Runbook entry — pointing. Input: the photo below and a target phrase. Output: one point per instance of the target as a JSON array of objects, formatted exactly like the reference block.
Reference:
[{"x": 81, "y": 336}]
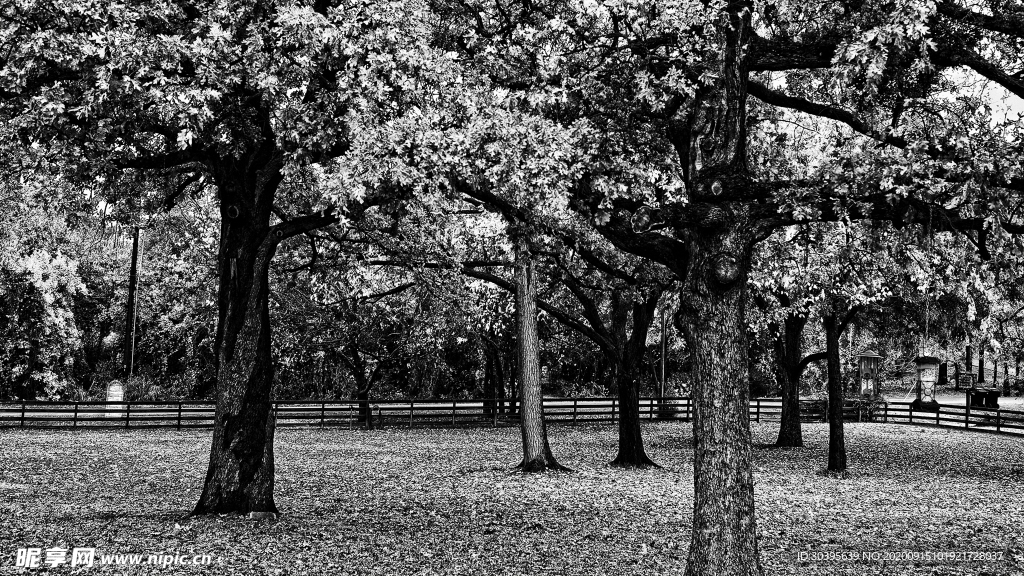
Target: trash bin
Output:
[{"x": 983, "y": 398}]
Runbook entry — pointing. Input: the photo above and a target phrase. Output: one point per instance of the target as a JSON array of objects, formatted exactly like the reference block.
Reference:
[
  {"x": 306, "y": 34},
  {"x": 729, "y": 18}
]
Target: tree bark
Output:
[
  {"x": 631, "y": 452},
  {"x": 787, "y": 361},
  {"x": 836, "y": 441},
  {"x": 537, "y": 456},
  {"x": 713, "y": 321},
  {"x": 240, "y": 477}
]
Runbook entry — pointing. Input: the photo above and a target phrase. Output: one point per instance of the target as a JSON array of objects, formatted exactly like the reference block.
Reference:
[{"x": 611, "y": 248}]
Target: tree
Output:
[
  {"x": 667, "y": 87},
  {"x": 242, "y": 98}
]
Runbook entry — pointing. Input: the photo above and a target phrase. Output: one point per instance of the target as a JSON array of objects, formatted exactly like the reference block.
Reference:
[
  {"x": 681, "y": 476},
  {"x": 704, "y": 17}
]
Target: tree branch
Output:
[{"x": 560, "y": 315}]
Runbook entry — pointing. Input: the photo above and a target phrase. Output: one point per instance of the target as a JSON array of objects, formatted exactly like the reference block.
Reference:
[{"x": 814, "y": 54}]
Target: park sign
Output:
[{"x": 115, "y": 393}]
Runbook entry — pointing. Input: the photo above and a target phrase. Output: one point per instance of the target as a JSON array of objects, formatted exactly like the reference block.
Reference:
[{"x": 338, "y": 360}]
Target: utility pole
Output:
[
  {"x": 981, "y": 364},
  {"x": 664, "y": 347},
  {"x": 131, "y": 307}
]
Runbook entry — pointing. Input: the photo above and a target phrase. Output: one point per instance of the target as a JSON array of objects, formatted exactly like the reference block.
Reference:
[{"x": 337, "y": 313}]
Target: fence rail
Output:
[{"x": 392, "y": 413}]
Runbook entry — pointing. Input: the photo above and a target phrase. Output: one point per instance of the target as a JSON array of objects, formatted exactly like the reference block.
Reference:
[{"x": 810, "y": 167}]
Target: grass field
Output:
[{"x": 448, "y": 502}]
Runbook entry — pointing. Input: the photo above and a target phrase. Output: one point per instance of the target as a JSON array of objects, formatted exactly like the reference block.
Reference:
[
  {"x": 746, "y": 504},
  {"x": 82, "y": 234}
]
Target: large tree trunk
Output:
[
  {"x": 787, "y": 361},
  {"x": 836, "y": 442},
  {"x": 537, "y": 456},
  {"x": 240, "y": 477},
  {"x": 631, "y": 444},
  {"x": 712, "y": 142},
  {"x": 713, "y": 320}
]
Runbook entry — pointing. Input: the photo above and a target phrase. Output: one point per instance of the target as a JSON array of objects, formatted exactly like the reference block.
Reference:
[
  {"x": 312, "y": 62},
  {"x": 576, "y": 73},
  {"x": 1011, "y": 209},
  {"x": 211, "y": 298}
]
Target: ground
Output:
[{"x": 429, "y": 501}]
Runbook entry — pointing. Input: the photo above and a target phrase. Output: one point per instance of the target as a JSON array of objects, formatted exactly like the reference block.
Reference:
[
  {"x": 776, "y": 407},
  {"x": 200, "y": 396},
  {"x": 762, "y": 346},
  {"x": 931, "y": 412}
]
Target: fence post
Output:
[
  {"x": 688, "y": 409},
  {"x": 323, "y": 413},
  {"x": 885, "y": 413},
  {"x": 911, "y": 412},
  {"x": 937, "y": 412},
  {"x": 997, "y": 421},
  {"x": 967, "y": 416},
  {"x": 575, "y": 405},
  {"x": 453, "y": 411},
  {"x": 757, "y": 407},
  {"x": 350, "y": 416},
  {"x": 179, "y": 415},
  {"x": 75, "y": 423},
  {"x": 494, "y": 413},
  {"x": 127, "y": 414},
  {"x": 411, "y": 406},
  {"x": 23, "y": 414},
  {"x": 613, "y": 409}
]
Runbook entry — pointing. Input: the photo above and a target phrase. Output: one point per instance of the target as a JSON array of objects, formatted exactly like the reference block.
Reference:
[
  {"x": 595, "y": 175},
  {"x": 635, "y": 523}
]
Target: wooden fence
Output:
[{"x": 393, "y": 413}]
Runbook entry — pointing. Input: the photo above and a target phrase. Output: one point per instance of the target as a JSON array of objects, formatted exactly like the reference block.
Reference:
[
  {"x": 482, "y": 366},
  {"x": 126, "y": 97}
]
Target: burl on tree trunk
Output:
[{"x": 537, "y": 456}]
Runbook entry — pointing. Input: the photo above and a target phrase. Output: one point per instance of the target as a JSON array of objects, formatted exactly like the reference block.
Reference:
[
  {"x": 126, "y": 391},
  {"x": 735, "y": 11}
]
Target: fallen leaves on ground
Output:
[{"x": 437, "y": 501}]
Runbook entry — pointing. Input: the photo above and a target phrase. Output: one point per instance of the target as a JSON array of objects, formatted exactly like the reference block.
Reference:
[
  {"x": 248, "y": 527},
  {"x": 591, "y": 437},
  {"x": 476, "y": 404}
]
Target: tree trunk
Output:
[
  {"x": 631, "y": 452},
  {"x": 713, "y": 321},
  {"x": 787, "y": 360},
  {"x": 365, "y": 412},
  {"x": 240, "y": 477},
  {"x": 537, "y": 456},
  {"x": 836, "y": 442},
  {"x": 631, "y": 444}
]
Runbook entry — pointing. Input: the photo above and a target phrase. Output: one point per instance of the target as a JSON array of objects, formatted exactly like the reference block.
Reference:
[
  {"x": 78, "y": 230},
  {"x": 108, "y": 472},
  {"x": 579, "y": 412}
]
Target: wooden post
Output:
[
  {"x": 179, "y": 415},
  {"x": 613, "y": 409},
  {"x": 967, "y": 416},
  {"x": 998, "y": 421},
  {"x": 757, "y": 408},
  {"x": 937, "y": 412},
  {"x": 75, "y": 422},
  {"x": 911, "y": 411},
  {"x": 22, "y": 413},
  {"x": 453, "y": 412},
  {"x": 885, "y": 413},
  {"x": 350, "y": 416},
  {"x": 494, "y": 414},
  {"x": 575, "y": 402},
  {"x": 412, "y": 405},
  {"x": 323, "y": 413},
  {"x": 127, "y": 414}
]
